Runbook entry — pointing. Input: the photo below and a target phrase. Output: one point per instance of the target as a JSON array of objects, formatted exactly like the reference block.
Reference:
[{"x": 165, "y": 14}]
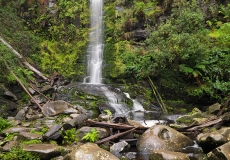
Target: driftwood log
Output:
[
  {"x": 196, "y": 128},
  {"x": 23, "y": 60},
  {"x": 75, "y": 122},
  {"x": 114, "y": 136},
  {"x": 119, "y": 126}
]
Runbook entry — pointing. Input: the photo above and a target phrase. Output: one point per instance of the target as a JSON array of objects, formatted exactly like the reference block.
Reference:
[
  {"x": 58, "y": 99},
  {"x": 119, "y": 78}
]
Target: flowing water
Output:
[
  {"x": 95, "y": 48},
  {"x": 95, "y": 59}
]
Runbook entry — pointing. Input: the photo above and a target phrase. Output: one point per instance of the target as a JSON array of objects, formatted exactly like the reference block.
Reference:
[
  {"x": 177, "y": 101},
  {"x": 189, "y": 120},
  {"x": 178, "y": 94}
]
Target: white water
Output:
[
  {"x": 95, "y": 48},
  {"x": 115, "y": 101}
]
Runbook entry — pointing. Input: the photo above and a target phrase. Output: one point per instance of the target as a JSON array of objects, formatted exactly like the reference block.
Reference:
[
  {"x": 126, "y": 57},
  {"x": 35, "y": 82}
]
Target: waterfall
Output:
[{"x": 95, "y": 48}]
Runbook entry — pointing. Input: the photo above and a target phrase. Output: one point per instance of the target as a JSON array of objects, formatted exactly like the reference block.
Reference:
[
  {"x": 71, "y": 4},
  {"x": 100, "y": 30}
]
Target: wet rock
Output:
[
  {"x": 73, "y": 115},
  {"x": 66, "y": 119},
  {"x": 90, "y": 151},
  {"x": 75, "y": 122},
  {"x": 52, "y": 131},
  {"x": 9, "y": 145},
  {"x": 209, "y": 141},
  {"x": 8, "y": 108},
  {"x": 102, "y": 132},
  {"x": 57, "y": 107},
  {"x": 31, "y": 90},
  {"x": 28, "y": 136},
  {"x": 162, "y": 137},
  {"x": 130, "y": 155},
  {"x": 103, "y": 117},
  {"x": 16, "y": 122},
  {"x": 221, "y": 152},
  {"x": 168, "y": 155},
  {"x": 44, "y": 151},
  {"x": 193, "y": 118},
  {"x": 16, "y": 130},
  {"x": 118, "y": 147},
  {"x": 39, "y": 99},
  {"x": 33, "y": 117},
  {"x": 21, "y": 114},
  {"x": 214, "y": 109},
  {"x": 27, "y": 124},
  {"x": 140, "y": 35},
  {"x": 134, "y": 123},
  {"x": 46, "y": 89}
]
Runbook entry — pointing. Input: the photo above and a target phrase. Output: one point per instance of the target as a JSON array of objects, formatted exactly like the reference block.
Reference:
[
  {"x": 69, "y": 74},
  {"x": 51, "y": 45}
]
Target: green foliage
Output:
[
  {"x": 9, "y": 136},
  {"x": 92, "y": 136},
  {"x": 225, "y": 10},
  {"x": 4, "y": 111},
  {"x": 18, "y": 154},
  {"x": 33, "y": 141},
  {"x": 108, "y": 112},
  {"x": 70, "y": 136},
  {"x": 44, "y": 130},
  {"x": 4, "y": 124}
]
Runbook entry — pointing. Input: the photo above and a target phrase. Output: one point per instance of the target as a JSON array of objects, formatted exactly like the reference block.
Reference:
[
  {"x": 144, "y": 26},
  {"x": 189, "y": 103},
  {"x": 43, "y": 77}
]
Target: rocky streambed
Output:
[{"x": 77, "y": 122}]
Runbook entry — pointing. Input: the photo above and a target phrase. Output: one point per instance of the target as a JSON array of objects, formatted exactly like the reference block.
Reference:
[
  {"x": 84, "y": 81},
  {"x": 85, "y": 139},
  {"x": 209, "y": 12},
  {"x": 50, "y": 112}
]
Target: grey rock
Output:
[
  {"x": 44, "y": 151},
  {"x": 15, "y": 130},
  {"x": 57, "y": 107},
  {"x": 221, "y": 152},
  {"x": 162, "y": 137},
  {"x": 90, "y": 151},
  {"x": 39, "y": 99},
  {"x": 168, "y": 155},
  {"x": 118, "y": 147},
  {"x": 28, "y": 136},
  {"x": 46, "y": 89},
  {"x": 54, "y": 129},
  {"x": 214, "y": 109},
  {"x": 211, "y": 140},
  {"x": 102, "y": 132},
  {"x": 9, "y": 145}
]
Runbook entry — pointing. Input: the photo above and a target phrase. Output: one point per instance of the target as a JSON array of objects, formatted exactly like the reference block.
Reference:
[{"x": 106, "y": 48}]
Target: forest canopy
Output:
[{"x": 184, "y": 46}]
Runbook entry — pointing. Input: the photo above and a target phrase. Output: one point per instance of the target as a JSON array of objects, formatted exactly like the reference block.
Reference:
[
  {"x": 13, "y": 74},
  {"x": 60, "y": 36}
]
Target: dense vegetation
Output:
[{"x": 182, "y": 47}]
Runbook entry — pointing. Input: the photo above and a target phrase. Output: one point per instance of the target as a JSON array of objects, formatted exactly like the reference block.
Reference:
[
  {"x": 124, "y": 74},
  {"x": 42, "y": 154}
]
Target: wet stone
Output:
[
  {"x": 28, "y": 136},
  {"x": 161, "y": 137},
  {"x": 90, "y": 151},
  {"x": 44, "y": 151},
  {"x": 221, "y": 152},
  {"x": 118, "y": 147},
  {"x": 9, "y": 145},
  {"x": 102, "y": 132},
  {"x": 16, "y": 130},
  {"x": 168, "y": 155}
]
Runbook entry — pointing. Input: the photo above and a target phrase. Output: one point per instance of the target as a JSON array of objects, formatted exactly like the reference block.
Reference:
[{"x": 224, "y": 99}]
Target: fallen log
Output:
[
  {"x": 23, "y": 60},
  {"x": 113, "y": 125},
  {"x": 76, "y": 122},
  {"x": 114, "y": 136},
  {"x": 24, "y": 88},
  {"x": 210, "y": 122}
]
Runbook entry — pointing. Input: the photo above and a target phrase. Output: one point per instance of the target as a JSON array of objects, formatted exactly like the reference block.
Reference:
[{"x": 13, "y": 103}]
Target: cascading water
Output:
[
  {"x": 95, "y": 48},
  {"x": 95, "y": 58}
]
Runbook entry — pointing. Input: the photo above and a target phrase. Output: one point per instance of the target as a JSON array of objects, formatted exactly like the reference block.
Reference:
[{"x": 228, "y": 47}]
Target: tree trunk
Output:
[{"x": 23, "y": 60}]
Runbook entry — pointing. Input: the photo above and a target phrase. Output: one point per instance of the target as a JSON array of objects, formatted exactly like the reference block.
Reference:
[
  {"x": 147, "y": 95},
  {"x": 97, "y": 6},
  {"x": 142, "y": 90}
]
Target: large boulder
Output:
[
  {"x": 209, "y": 141},
  {"x": 166, "y": 155},
  {"x": 221, "y": 152},
  {"x": 44, "y": 151},
  {"x": 161, "y": 137},
  {"x": 90, "y": 151},
  {"x": 57, "y": 107}
]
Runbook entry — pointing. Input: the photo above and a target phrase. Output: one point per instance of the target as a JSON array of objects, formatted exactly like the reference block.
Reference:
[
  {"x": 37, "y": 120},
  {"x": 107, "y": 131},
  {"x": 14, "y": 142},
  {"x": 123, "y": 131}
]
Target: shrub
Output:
[
  {"x": 18, "y": 154},
  {"x": 92, "y": 136},
  {"x": 4, "y": 124}
]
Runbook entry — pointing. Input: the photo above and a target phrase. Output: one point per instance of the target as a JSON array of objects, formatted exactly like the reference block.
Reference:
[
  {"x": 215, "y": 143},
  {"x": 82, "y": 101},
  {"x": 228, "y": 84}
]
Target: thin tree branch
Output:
[{"x": 23, "y": 60}]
